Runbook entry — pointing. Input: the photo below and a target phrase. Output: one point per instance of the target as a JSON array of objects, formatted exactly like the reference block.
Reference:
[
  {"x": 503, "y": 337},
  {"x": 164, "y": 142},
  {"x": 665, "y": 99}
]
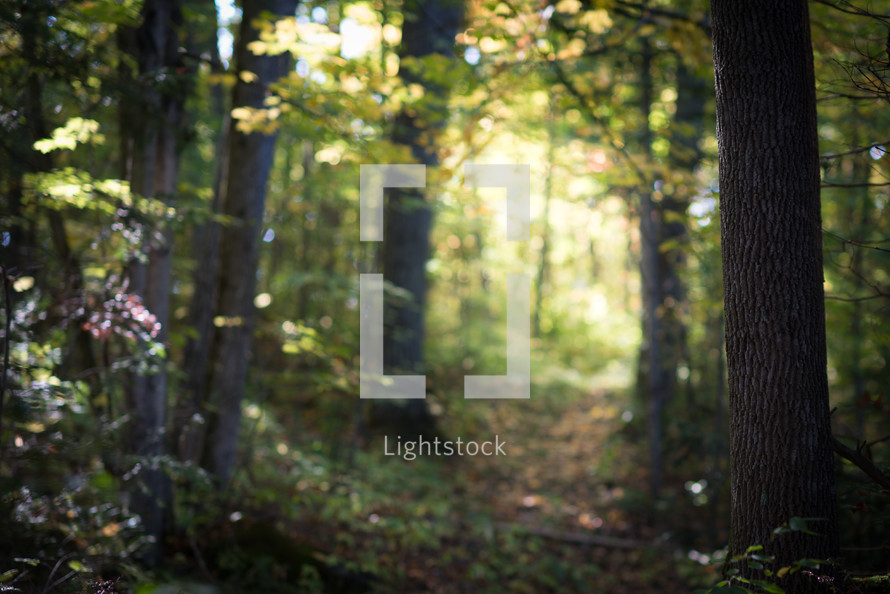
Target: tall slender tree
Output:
[
  {"x": 205, "y": 249},
  {"x": 151, "y": 137},
  {"x": 657, "y": 380},
  {"x": 250, "y": 155},
  {"x": 429, "y": 29},
  {"x": 780, "y": 442}
]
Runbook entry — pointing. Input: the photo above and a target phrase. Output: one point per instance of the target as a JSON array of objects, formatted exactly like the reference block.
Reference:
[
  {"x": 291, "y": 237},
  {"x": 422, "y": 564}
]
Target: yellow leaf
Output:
[
  {"x": 241, "y": 113},
  {"x": 597, "y": 21},
  {"x": 23, "y": 283},
  {"x": 568, "y": 6}
]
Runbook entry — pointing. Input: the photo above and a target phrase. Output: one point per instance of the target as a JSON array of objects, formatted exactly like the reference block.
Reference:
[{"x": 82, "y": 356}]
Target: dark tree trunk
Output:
[
  {"x": 429, "y": 28},
  {"x": 19, "y": 258},
  {"x": 151, "y": 127},
  {"x": 780, "y": 434},
  {"x": 663, "y": 229},
  {"x": 655, "y": 379},
  {"x": 683, "y": 158},
  {"x": 860, "y": 210},
  {"x": 205, "y": 248},
  {"x": 249, "y": 161}
]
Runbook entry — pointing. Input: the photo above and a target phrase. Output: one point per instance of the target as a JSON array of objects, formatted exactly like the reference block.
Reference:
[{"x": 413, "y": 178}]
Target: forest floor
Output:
[
  {"x": 573, "y": 491},
  {"x": 566, "y": 510}
]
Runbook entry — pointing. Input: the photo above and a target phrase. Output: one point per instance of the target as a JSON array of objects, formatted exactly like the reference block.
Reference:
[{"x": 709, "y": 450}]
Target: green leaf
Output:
[
  {"x": 121, "y": 12},
  {"x": 75, "y": 131},
  {"x": 77, "y": 566},
  {"x": 8, "y": 575},
  {"x": 809, "y": 563},
  {"x": 797, "y": 523}
]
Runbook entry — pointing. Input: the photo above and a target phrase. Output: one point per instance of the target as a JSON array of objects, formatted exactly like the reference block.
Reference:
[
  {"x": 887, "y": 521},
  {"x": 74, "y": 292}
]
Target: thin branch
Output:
[
  {"x": 49, "y": 586},
  {"x": 861, "y": 244},
  {"x": 620, "y": 148},
  {"x": 881, "y": 440},
  {"x": 862, "y": 462},
  {"x": 866, "y": 242},
  {"x": 215, "y": 64},
  {"x": 848, "y": 96},
  {"x": 846, "y": 7},
  {"x": 878, "y": 292},
  {"x": 877, "y": 289},
  {"x": 855, "y": 299},
  {"x": 60, "y": 581},
  {"x": 854, "y": 151},
  {"x": 855, "y": 185},
  {"x": 656, "y": 11}
]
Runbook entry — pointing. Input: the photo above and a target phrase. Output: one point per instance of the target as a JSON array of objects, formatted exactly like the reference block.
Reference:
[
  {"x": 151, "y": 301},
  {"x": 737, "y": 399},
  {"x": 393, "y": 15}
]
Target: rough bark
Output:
[
  {"x": 429, "y": 28},
  {"x": 250, "y": 159},
  {"x": 780, "y": 435}
]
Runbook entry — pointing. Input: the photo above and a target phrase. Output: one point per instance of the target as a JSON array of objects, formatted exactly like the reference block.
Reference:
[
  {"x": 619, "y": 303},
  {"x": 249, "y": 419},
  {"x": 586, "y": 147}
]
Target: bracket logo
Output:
[{"x": 374, "y": 179}]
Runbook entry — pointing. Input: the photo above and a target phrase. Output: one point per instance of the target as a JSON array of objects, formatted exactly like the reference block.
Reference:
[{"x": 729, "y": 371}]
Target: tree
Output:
[
  {"x": 427, "y": 45},
  {"x": 250, "y": 156},
  {"x": 205, "y": 250},
  {"x": 660, "y": 153},
  {"x": 151, "y": 123},
  {"x": 780, "y": 434}
]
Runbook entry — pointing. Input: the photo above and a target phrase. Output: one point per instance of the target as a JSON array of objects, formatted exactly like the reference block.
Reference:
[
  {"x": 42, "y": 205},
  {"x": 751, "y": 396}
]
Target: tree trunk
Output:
[
  {"x": 304, "y": 293},
  {"x": 780, "y": 434},
  {"x": 250, "y": 159},
  {"x": 429, "y": 28},
  {"x": 859, "y": 217},
  {"x": 544, "y": 263},
  {"x": 205, "y": 247},
  {"x": 683, "y": 158},
  {"x": 151, "y": 125},
  {"x": 655, "y": 379}
]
